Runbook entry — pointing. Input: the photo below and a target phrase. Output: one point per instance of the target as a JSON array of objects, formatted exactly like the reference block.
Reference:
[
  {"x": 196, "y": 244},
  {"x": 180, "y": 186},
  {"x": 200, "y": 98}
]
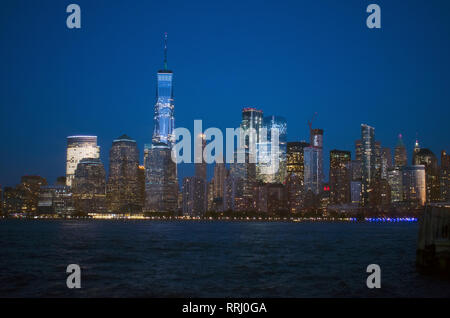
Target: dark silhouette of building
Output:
[
  {"x": 89, "y": 187},
  {"x": 194, "y": 196},
  {"x": 340, "y": 176},
  {"x": 161, "y": 185},
  {"x": 368, "y": 163},
  {"x": 427, "y": 158},
  {"x": 313, "y": 162},
  {"x": 123, "y": 189}
]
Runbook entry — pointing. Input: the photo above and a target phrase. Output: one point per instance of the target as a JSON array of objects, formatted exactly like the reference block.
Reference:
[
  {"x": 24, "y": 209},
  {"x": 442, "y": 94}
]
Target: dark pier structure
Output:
[{"x": 433, "y": 248}]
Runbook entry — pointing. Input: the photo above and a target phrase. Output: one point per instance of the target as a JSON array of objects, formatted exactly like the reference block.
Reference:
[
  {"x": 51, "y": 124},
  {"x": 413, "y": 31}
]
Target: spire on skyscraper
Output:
[
  {"x": 165, "y": 51},
  {"x": 400, "y": 141}
]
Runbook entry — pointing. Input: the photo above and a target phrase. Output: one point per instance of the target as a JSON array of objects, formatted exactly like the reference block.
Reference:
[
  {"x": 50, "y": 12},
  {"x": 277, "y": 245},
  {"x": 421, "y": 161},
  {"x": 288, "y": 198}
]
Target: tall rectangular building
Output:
[
  {"x": 313, "y": 158},
  {"x": 271, "y": 166},
  {"x": 194, "y": 196},
  {"x": 78, "y": 148},
  {"x": 161, "y": 170},
  {"x": 340, "y": 176},
  {"x": 445, "y": 176},
  {"x": 368, "y": 168},
  {"x": 413, "y": 184}
]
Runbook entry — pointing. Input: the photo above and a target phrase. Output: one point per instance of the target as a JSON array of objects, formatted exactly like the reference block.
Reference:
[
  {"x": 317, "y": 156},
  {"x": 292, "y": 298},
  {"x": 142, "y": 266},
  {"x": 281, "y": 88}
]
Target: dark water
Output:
[{"x": 210, "y": 259}]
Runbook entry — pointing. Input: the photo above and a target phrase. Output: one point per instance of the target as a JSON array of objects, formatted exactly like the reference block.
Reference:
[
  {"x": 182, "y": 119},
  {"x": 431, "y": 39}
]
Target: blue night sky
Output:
[{"x": 288, "y": 58}]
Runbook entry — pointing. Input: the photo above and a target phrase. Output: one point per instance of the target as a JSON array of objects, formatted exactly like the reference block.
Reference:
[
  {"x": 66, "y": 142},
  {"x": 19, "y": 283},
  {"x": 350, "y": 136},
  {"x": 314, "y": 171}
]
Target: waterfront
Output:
[{"x": 210, "y": 259}]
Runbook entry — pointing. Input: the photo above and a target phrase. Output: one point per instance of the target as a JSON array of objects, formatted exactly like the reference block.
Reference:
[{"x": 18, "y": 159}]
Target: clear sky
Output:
[{"x": 288, "y": 58}]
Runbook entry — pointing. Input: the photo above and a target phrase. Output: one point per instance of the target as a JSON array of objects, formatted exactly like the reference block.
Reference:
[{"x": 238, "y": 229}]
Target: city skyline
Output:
[{"x": 95, "y": 110}]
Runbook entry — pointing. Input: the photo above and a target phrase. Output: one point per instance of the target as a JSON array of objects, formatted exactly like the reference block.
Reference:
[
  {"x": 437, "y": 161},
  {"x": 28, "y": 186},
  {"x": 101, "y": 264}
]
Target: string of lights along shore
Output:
[{"x": 288, "y": 181}]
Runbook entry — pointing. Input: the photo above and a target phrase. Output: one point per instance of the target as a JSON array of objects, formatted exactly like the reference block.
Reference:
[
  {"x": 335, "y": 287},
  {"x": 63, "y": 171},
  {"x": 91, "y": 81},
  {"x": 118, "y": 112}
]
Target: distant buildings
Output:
[
  {"x": 432, "y": 179},
  {"x": 413, "y": 184},
  {"x": 295, "y": 159},
  {"x": 272, "y": 152},
  {"x": 124, "y": 193},
  {"x": 56, "y": 200},
  {"x": 89, "y": 187},
  {"x": 340, "y": 177},
  {"x": 252, "y": 121},
  {"x": 367, "y": 162},
  {"x": 24, "y": 198},
  {"x": 295, "y": 168},
  {"x": 395, "y": 183},
  {"x": 194, "y": 196},
  {"x": 79, "y": 147},
  {"x": 400, "y": 157},
  {"x": 386, "y": 162},
  {"x": 313, "y": 159},
  {"x": 161, "y": 184},
  {"x": 220, "y": 173},
  {"x": 445, "y": 176}
]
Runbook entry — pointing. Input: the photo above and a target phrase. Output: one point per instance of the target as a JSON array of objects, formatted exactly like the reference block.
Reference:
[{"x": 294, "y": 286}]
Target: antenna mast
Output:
[{"x": 165, "y": 51}]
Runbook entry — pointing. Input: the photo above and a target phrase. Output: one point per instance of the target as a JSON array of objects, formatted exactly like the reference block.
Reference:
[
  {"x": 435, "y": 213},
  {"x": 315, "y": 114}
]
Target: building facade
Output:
[
  {"x": 414, "y": 184},
  {"x": 194, "y": 196},
  {"x": 340, "y": 177},
  {"x": 368, "y": 162},
  {"x": 89, "y": 187},
  {"x": 432, "y": 174},
  {"x": 161, "y": 185},
  {"x": 123, "y": 189},
  {"x": 271, "y": 151},
  {"x": 400, "y": 156},
  {"x": 78, "y": 148},
  {"x": 313, "y": 159},
  {"x": 445, "y": 176}
]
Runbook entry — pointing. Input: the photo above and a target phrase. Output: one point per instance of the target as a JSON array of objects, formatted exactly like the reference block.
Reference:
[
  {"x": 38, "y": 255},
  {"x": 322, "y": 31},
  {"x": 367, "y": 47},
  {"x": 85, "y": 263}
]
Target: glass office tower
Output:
[
  {"x": 271, "y": 166},
  {"x": 160, "y": 170},
  {"x": 164, "y": 108},
  {"x": 368, "y": 161},
  {"x": 313, "y": 158}
]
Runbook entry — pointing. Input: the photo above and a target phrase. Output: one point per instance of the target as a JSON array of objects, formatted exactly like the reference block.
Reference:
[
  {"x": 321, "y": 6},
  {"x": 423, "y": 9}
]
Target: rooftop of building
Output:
[{"x": 124, "y": 137}]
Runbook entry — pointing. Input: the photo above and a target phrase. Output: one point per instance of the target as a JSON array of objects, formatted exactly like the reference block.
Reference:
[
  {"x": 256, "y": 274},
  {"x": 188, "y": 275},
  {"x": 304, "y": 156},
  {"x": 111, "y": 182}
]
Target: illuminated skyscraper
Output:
[
  {"x": 413, "y": 181},
  {"x": 400, "y": 157},
  {"x": 427, "y": 158},
  {"x": 395, "y": 182},
  {"x": 79, "y": 147},
  {"x": 295, "y": 163},
  {"x": 123, "y": 191},
  {"x": 415, "y": 151},
  {"x": 89, "y": 187},
  {"x": 164, "y": 107},
  {"x": 295, "y": 169},
  {"x": 161, "y": 171},
  {"x": 386, "y": 162},
  {"x": 194, "y": 196},
  {"x": 358, "y": 150},
  {"x": 161, "y": 184},
  {"x": 368, "y": 168},
  {"x": 313, "y": 156},
  {"x": 340, "y": 176},
  {"x": 200, "y": 164},
  {"x": 271, "y": 166},
  {"x": 252, "y": 118},
  {"x": 220, "y": 174}
]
